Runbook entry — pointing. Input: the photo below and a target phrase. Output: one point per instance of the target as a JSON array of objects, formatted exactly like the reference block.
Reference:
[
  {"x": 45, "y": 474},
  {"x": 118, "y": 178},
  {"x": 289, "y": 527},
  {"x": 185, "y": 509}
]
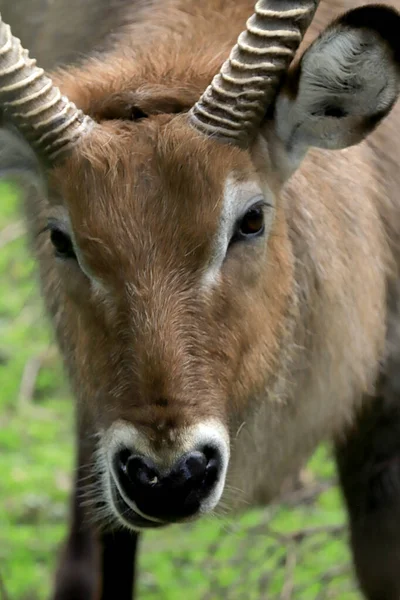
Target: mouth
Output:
[{"x": 129, "y": 516}]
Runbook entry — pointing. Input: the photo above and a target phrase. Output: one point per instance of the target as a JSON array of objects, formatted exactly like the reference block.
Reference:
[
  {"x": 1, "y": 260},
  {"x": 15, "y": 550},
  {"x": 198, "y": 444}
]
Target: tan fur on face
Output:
[{"x": 147, "y": 239}]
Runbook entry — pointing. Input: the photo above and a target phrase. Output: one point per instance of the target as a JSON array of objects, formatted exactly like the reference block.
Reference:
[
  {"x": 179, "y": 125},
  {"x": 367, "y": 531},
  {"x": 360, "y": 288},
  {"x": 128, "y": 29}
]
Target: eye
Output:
[
  {"x": 62, "y": 243},
  {"x": 137, "y": 114},
  {"x": 251, "y": 224}
]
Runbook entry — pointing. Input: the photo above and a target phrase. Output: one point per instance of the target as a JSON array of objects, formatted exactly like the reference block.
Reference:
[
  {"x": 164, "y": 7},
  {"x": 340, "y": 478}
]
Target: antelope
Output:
[{"x": 217, "y": 231}]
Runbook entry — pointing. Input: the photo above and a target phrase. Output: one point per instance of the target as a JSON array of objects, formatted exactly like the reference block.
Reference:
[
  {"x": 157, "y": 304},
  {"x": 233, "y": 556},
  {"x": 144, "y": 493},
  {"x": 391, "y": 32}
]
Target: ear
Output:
[{"x": 345, "y": 83}]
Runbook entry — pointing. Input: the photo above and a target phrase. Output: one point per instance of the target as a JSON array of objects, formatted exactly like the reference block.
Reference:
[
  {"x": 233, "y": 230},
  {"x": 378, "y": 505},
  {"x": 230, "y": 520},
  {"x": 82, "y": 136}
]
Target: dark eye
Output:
[
  {"x": 251, "y": 224},
  {"x": 62, "y": 243}
]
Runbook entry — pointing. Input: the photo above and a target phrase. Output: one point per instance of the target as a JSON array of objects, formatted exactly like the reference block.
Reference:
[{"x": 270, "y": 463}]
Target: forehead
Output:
[{"x": 151, "y": 186}]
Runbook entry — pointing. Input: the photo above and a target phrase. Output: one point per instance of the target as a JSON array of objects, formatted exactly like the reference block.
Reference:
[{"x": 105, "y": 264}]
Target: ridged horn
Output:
[
  {"x": 233, "y": 106},
  {"x": 48, "y": 120}
]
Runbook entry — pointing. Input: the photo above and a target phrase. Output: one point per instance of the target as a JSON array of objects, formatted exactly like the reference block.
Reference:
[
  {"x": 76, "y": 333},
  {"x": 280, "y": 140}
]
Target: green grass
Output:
[{"x": 299, "y": 551}]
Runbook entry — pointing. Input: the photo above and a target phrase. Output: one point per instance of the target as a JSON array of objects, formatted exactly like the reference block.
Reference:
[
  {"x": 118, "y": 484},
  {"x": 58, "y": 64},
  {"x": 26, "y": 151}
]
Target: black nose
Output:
[{"x": 168, "y": 495}]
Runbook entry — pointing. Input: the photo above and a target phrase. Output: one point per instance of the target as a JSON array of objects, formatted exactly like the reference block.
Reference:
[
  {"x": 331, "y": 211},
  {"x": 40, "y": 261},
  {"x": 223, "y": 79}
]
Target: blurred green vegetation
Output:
[{"x": 296, "y": 550}]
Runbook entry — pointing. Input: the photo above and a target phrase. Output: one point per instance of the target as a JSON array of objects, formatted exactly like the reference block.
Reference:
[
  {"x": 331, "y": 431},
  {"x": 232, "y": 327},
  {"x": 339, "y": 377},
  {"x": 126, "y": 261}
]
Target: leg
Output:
[
  {"x": 118, "y": 564},
  {"x": 78, "y": 573},
  {"x": 369, "y": 470},
  {"x": 94, "y": 565}
]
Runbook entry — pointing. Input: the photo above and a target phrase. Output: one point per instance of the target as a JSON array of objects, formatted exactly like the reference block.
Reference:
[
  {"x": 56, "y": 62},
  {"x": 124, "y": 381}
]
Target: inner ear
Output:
[
  {"x": 346, "y": 82},
  {"x": 145, "y": 102}
]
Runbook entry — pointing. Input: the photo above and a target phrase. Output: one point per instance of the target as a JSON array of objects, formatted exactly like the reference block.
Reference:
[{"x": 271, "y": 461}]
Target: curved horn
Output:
[
  {"x": 234, "y": 104},
  {"x": 51, "y": 123}
]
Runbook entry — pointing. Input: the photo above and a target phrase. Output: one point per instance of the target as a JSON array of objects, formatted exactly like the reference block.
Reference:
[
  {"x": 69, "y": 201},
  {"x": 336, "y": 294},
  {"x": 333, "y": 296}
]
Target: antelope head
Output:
[{"x": 171, "y": 273}]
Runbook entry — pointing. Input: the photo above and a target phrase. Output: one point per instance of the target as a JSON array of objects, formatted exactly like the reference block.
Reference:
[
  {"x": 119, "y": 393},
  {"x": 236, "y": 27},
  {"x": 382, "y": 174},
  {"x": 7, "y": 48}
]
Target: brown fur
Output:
[
  {"x": 289, "y": 346},
  {"x": 179, "y": 220}
]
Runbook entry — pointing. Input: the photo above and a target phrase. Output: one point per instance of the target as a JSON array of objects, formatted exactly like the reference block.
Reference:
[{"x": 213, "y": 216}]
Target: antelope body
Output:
[{"x": 222, "y": 275}]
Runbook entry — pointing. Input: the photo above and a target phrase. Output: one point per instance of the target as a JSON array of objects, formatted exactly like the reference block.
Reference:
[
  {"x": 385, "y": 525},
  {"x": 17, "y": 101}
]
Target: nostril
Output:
[
  {"x": 122, "y": 460},
  {"x": 142, "y": 470},
  {"x": 199, "y": 466},
  {"x": 212, "y": 472},
  {"x": 133, "y": 469},
  {"x": 214, "y": 464},
  {"x": 195, "y": 465},
  {"x": 211, "y": 453}
]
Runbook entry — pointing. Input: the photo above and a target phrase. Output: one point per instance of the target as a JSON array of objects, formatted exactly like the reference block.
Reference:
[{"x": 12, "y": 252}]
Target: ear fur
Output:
[{"x": 345, "y": 83}]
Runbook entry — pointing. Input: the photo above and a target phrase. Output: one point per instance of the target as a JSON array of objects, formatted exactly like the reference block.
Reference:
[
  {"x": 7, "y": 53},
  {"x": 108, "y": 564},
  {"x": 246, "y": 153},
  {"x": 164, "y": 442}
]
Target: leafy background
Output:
[{"x": 297, "y": 549}]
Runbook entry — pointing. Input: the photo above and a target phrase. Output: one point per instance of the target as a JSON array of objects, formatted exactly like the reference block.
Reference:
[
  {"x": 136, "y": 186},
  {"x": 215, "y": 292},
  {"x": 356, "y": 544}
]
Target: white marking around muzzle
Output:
[{"x": 123, "y": 435}]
